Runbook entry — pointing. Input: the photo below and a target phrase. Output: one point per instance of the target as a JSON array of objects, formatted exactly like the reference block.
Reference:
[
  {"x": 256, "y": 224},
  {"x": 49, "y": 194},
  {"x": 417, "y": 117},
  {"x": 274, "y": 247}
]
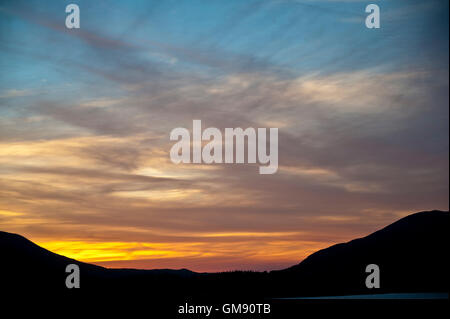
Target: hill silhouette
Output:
[{"x": 411, "y": 254}]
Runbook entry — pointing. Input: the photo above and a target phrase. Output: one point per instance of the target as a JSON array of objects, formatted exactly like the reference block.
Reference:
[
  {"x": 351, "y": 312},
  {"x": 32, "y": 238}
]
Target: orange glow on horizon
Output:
[{"x": 130, "y": 254}]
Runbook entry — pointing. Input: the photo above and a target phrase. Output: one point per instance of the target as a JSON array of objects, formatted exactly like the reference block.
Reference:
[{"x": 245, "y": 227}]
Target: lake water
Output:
[{"x": 405, "y": 296}]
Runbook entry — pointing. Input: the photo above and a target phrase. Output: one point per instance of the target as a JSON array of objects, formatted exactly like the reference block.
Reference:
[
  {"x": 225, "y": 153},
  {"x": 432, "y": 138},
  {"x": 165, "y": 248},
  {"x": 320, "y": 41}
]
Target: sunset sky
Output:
[{"x": 85, "y": 118}]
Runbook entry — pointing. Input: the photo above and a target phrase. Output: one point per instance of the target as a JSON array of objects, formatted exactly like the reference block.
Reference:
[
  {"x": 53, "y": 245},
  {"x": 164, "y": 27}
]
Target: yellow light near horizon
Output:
[
  {"x": 248, "y": 234},
  {"x": 7, "y": 213},
  {"x": 247, "y": 250},
  {"x": 108, "y": 251}
]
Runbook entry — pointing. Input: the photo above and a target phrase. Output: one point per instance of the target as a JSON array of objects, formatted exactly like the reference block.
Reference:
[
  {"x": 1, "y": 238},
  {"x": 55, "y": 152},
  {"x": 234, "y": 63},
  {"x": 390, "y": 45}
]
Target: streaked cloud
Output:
[{"x": 85, "y": 118}]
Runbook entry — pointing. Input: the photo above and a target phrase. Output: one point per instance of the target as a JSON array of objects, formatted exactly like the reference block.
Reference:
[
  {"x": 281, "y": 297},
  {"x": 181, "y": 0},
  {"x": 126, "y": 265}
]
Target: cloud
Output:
[
  {"x": 84, "y": 157},
  {"x": 12, "y": 93}
]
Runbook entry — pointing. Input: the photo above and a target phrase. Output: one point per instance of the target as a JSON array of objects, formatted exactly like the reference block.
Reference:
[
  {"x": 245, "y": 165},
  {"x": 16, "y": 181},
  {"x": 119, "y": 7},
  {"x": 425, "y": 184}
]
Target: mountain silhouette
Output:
[
  {"x": 411, "y": 254},
  {"x": 27, "y": 266}
]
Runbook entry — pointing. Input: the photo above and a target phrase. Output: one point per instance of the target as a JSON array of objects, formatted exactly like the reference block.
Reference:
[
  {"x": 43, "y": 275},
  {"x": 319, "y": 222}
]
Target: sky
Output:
[{"x": 86, "y": 115}]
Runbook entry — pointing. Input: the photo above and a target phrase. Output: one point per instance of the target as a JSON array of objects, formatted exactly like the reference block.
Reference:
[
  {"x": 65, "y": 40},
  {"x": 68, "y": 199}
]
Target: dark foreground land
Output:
[{"x": 412, "y": 255}]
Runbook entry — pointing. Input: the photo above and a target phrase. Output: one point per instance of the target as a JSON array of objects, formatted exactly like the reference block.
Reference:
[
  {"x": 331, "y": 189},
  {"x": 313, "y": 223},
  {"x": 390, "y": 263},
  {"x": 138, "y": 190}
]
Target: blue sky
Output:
[{"x": 287, "y": 36}]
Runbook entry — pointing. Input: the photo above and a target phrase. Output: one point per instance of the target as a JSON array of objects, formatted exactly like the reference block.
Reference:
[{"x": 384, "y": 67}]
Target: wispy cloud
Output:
[{"x": 84, "y": 155}]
